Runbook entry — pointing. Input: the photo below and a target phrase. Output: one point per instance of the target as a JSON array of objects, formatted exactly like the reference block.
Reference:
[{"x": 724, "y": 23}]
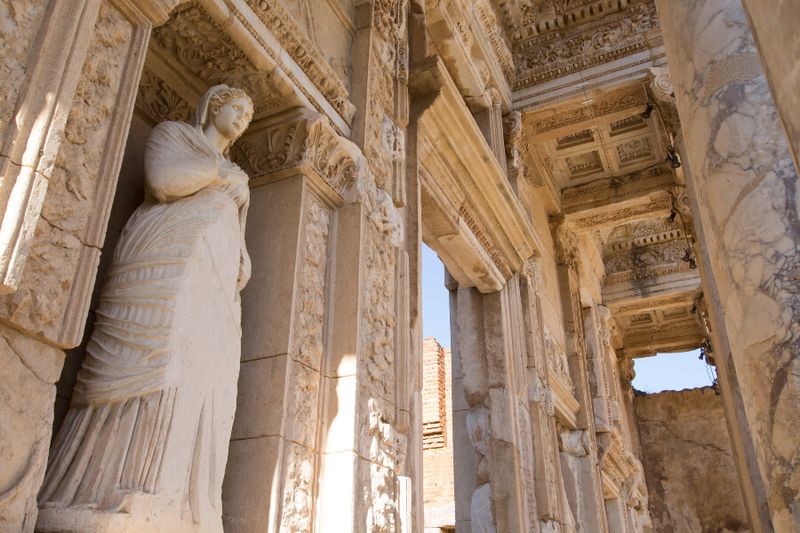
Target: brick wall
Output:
[{"x": 437, "y": 446}]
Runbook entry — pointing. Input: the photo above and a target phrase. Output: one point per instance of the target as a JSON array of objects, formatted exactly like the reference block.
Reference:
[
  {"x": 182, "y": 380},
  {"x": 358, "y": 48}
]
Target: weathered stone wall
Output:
[{"x": 688, "y": 462}]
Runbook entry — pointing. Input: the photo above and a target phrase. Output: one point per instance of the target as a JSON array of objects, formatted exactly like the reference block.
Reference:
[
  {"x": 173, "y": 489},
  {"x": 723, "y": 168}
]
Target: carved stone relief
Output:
[
  {"x": 301, "y": 139},
  {"x": 552, "y": 54},
  {"x": 202, "y": 47}
]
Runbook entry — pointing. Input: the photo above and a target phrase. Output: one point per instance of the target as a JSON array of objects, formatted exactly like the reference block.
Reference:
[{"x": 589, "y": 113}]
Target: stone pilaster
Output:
[
  {"x": 745, "y": 187},
  {"x": 578, "y": 447}
]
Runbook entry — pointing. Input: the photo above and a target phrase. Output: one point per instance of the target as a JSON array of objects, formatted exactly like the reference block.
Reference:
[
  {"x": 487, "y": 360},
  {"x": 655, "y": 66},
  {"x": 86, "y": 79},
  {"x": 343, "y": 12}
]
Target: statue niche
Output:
[{"x": 145, "y": 442}]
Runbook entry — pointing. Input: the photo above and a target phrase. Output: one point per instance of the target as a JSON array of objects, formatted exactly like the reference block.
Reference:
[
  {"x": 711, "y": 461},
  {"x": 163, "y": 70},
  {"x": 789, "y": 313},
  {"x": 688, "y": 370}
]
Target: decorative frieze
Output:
[
  {"x": 609, "y": 191},
  {"x": 553, "y": 54},
  {"x": 543, "y": 121},
  {"x": 159, "y": 101}
]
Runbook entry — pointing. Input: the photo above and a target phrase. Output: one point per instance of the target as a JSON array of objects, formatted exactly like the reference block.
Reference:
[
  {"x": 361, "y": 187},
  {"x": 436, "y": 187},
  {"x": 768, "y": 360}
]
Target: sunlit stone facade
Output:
[{"x": 602, "y": 179}]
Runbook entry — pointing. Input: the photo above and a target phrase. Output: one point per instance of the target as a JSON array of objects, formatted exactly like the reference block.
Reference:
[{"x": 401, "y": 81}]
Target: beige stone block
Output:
[
  {"x": 347, "y": 291},
  {"x": 273, "y": 231},
  {"x": 261, "y": 398},
  {"x": 465, "y": 465},
  {"x": 27, "y": 392},
  {"x": 338, "y": 490},
  {"x": 340, "y": 414},
  {"x": 251, "y": 484}
]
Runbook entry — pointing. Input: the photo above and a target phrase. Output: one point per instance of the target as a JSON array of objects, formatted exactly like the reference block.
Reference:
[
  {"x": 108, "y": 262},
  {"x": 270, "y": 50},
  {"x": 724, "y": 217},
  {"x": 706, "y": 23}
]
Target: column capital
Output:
[{"x": 302, "y": 141}]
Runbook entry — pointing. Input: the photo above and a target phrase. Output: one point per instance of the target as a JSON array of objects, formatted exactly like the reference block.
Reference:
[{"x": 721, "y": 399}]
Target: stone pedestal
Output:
[{"x": 745, "y": 187}]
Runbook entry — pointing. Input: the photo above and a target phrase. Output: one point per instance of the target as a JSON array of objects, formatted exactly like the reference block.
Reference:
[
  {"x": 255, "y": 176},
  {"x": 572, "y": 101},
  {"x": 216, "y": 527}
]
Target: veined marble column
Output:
[
  {"x": 745, "y": 185},
  {"x": 775, "y": 29}
]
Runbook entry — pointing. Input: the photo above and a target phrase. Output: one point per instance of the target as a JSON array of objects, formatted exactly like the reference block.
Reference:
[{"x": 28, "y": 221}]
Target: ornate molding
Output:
[
  {"x": 554, "y": 54},
  {"x": 608, "y": 191},
  {"x": 547, "y": 120},
  {"x": 457, "y": 162},
  {"x": 654, "y": 207},
  {"x": 278, "y": 21},
  {"x": 193, "y": 41},
  {"x": 159, "y": 101},
  {"x": 664, "y": 96}
]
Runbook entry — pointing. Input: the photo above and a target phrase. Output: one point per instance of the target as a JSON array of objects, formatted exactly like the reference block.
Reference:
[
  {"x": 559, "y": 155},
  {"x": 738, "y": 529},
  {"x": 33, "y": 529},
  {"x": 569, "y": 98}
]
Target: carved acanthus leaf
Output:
[
  {"x": 159, "y": 101},
  {"x": 307, "y": 140}
]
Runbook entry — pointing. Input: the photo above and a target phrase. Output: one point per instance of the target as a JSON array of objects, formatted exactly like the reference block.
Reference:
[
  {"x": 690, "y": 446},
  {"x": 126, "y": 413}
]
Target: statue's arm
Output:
[
  {"x": 168, "y": 182},
  {"x": 173, "y": 169}
]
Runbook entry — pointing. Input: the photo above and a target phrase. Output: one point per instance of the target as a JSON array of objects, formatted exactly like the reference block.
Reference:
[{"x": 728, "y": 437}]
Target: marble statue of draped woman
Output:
[{"x": 145, "y": 441}]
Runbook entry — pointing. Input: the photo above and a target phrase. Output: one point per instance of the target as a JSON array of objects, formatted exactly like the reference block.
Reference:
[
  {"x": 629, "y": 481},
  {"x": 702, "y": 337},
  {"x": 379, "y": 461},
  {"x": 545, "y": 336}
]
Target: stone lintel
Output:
[{"x": 456, "y": 159}]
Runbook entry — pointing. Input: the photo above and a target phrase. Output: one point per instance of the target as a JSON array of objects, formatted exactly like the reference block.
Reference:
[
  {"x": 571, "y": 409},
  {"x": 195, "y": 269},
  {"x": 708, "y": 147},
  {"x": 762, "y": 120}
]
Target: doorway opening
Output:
[
  {"x": 673, "y": 371},
  {"x": 437, "y": 398}
]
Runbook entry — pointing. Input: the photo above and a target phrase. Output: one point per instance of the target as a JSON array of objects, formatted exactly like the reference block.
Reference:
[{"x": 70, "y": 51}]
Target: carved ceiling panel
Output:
[{"x": 601, "y": 135}]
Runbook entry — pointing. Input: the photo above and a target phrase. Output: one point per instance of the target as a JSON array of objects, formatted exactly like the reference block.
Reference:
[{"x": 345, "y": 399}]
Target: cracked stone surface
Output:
[{"x": 688, "y": 463}]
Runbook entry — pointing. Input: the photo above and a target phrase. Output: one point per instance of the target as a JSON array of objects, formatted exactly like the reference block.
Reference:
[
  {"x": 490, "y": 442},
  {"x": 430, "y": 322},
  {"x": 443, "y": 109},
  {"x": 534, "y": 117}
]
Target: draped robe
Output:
[{"x": 153, "y": 405}]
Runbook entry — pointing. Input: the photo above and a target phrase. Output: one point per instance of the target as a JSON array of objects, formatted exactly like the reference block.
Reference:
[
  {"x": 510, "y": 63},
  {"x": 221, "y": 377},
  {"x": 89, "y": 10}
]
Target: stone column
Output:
[
  {"x": 491, "y": 425},
  {"x": 745, "y": 186}
]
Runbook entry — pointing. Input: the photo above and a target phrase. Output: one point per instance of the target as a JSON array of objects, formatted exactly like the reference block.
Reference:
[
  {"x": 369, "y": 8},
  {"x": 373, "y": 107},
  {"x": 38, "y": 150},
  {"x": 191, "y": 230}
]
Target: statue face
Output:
[{"x": 232, "y": 118}]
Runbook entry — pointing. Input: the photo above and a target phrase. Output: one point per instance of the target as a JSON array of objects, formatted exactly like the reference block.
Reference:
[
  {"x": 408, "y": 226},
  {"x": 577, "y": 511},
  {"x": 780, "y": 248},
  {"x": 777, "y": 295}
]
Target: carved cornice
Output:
[
  {"x": 620, "y": 467},
  {"x": 278, "y": 21},
  {"x": 196, "y": 45},
  {"x": 604, "y": 192},
  {"x": 494, "y": 33},
  {"x": 654, "y": 205},
  {"x": 547, "y": 121},
  {"x": 300, "y": 141},
  {"x": 653, "y": 303},
  {"x": 565, "y": 406}
]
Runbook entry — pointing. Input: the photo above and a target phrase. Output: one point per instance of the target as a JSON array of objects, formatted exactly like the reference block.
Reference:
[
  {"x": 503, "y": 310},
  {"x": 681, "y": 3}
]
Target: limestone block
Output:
[
  {"x": 261, "y": 390},
  {"x": 27, "y": 391},
  {"x": 252, "y": 472},
  {"x": 684, "y": 439},
  {"x": 21, "y": 22}
]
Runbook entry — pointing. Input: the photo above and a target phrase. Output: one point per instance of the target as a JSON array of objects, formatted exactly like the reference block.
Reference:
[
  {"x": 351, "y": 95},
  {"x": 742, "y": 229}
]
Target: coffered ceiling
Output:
[{"x": 601, "y": 134}]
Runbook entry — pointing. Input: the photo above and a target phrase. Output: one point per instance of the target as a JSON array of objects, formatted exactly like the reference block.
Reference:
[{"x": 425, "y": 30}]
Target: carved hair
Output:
[
  {"x": 216, "y": 97},
  {"x": 223, "y": 96}
]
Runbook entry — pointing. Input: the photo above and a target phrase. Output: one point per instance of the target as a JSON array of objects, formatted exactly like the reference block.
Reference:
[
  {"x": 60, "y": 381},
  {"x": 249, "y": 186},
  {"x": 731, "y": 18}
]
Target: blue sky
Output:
[{"x": 673, "y": 371}]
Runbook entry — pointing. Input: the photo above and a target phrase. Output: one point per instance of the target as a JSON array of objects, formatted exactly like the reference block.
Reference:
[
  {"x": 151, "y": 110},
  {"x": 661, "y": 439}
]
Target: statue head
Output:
[{"x": 224, "y": 112}]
